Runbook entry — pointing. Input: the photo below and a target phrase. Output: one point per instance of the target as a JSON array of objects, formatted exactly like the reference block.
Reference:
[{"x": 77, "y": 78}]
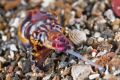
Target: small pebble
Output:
[
  {"x": 12, "y": 55},
  {"x": 8, "y": 77},
  {"x": 26, "y": 66},
  {"x": 80, "y": 71},
  {"x": 93, "y": 76},
  {"x": 73, "y": 62},
  {"x": 20, "y": 64},
  {"x": 97, "y": 34},
  {"x": 4, "y": 38},
  {"x": 63, "y": 64},
  {"x": 116, "y": 72},
  {"x": 2, "y": 59},
  {"x": 34, "y": 78},
  {"x": 18, "y": 57},
  {"x": 11, "y": 68},
  {"x": 13, "y": 47},
  {"x": 47, "y": 77},
  {"x": 56, "y": 78},
  {"x": 66, "y": 71},
  {"x": 110, "y": 15},
  {"x": 89, "y": 50},
  {"x": 19, "y": 73},
  {"x": 17, "y": 77}
]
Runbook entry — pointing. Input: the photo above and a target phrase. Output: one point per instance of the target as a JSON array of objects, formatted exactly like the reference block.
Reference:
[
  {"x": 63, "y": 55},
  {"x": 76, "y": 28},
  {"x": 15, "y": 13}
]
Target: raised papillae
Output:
[{"x": 42, "y": 32}]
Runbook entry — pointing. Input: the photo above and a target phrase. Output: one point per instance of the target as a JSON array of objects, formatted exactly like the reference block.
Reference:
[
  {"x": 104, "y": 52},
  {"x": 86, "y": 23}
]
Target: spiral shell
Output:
[{"x": 77, "y": 37}]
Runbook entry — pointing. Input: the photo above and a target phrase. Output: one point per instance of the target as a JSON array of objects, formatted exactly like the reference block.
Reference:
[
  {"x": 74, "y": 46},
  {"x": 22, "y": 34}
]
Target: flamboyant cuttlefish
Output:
[{"x": 42, "y": 31}]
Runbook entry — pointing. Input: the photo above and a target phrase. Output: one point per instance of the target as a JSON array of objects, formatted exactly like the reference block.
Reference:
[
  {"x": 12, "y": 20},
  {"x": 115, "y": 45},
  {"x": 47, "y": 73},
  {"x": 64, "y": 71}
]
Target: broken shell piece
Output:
[
  {"x": 77, "y": 37},
  {"x": 20, "y": 64},
  {"x": 116, "y": 22},
  {"x": 111, "y": 77},
  {"x": 80, "y": 71},
  {"x": 110, "y": 15},
  {"x": 114, "y": 64},
  {"x": 117, "y": 36},
  {"x": 47, "y": 77},
  {"x": 116, "y": 72},
  {"x": 103, "y": 45},
  {"x": 115, "y": 27},
  {"x": 101, "y": 53},
  {"x": 66, "y": 71},
  {"x": 12, "y": 55},
  {"x": 94, "y": 54},
  {"x": 100, "y": 39},
  {"x": 93, "y": 76},
  {"x": 97, "y": 34}
]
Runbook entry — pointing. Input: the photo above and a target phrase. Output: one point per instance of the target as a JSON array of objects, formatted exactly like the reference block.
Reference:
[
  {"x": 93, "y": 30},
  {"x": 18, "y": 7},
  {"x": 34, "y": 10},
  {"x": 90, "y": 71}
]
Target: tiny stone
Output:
[
  {"x": 110, "y": 15},
  {"x": 115, "y": 27},
  {"x": 19, "y": 73},
  {"x": 12, "y": 54},
  {"x": 90, "y": 41},
  {"x": 63, "y": 58},
  {"x": 73, "y": 62},
  {"x": 4, "y": 38},
  {"x": 89, "y": 50},
  {"x": 2, "y": 59},
  {"x": 66, "y": 71},
  {"x": 17, "y": 77},
  {"x": 71, "y": 57},
  {"x": 13, "y": 47},
  {"x": 108, "y": 33},
  {"x": 47, "y": 77},
  {"x": 56, "y": 78},
  {"x": 11, "y": 68},
  {"x": 20, "y": 64},
  {"x": 18, "y": 57},
  {"x": 8, "y": 77},
  {"x": 63, "y": 64},
  {"x": 80, "y": 71},
  {"x": 97, "y": 34},
  {"x": 93, "y": 76},
  {"x": 33, "y": 78},
  {"x": 16, "y": 69},
  {"x": 26, "y": 67},
  {"x": 100, "y": 39},
  {"x": 14, "y": 63}
]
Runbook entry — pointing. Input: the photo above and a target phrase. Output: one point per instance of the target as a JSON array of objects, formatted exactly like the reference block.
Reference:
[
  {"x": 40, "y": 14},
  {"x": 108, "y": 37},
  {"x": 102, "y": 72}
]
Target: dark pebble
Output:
[
  {"x": 71, "y": 57},
  {"x": 108, "y": 33},
  {"x": 2, "y": 76},
  {"x": 101, "y": 27},
  {"x": 27, "y": 66},
  {"x": 16, "y": 69},
  {"x": 63, "y": 64},
  {"x": 63, "y": 58},
  {"x": 28, "y": 77},
  {"x": 39, "y": 78},
  {"x": 17, "y": 77},
  {"x": 53, "y": 55},
  {"x": 14, "y": 63},
  {"x": 6, "y": 64}
]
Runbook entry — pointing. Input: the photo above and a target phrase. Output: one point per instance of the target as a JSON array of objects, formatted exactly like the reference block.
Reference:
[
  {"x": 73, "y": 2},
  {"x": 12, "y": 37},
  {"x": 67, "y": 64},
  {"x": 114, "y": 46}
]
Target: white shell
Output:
[
  {"x": 77, "y": 37},
  {"x": 93, "y": 76},
  {"x": 80, "y": 72}
]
